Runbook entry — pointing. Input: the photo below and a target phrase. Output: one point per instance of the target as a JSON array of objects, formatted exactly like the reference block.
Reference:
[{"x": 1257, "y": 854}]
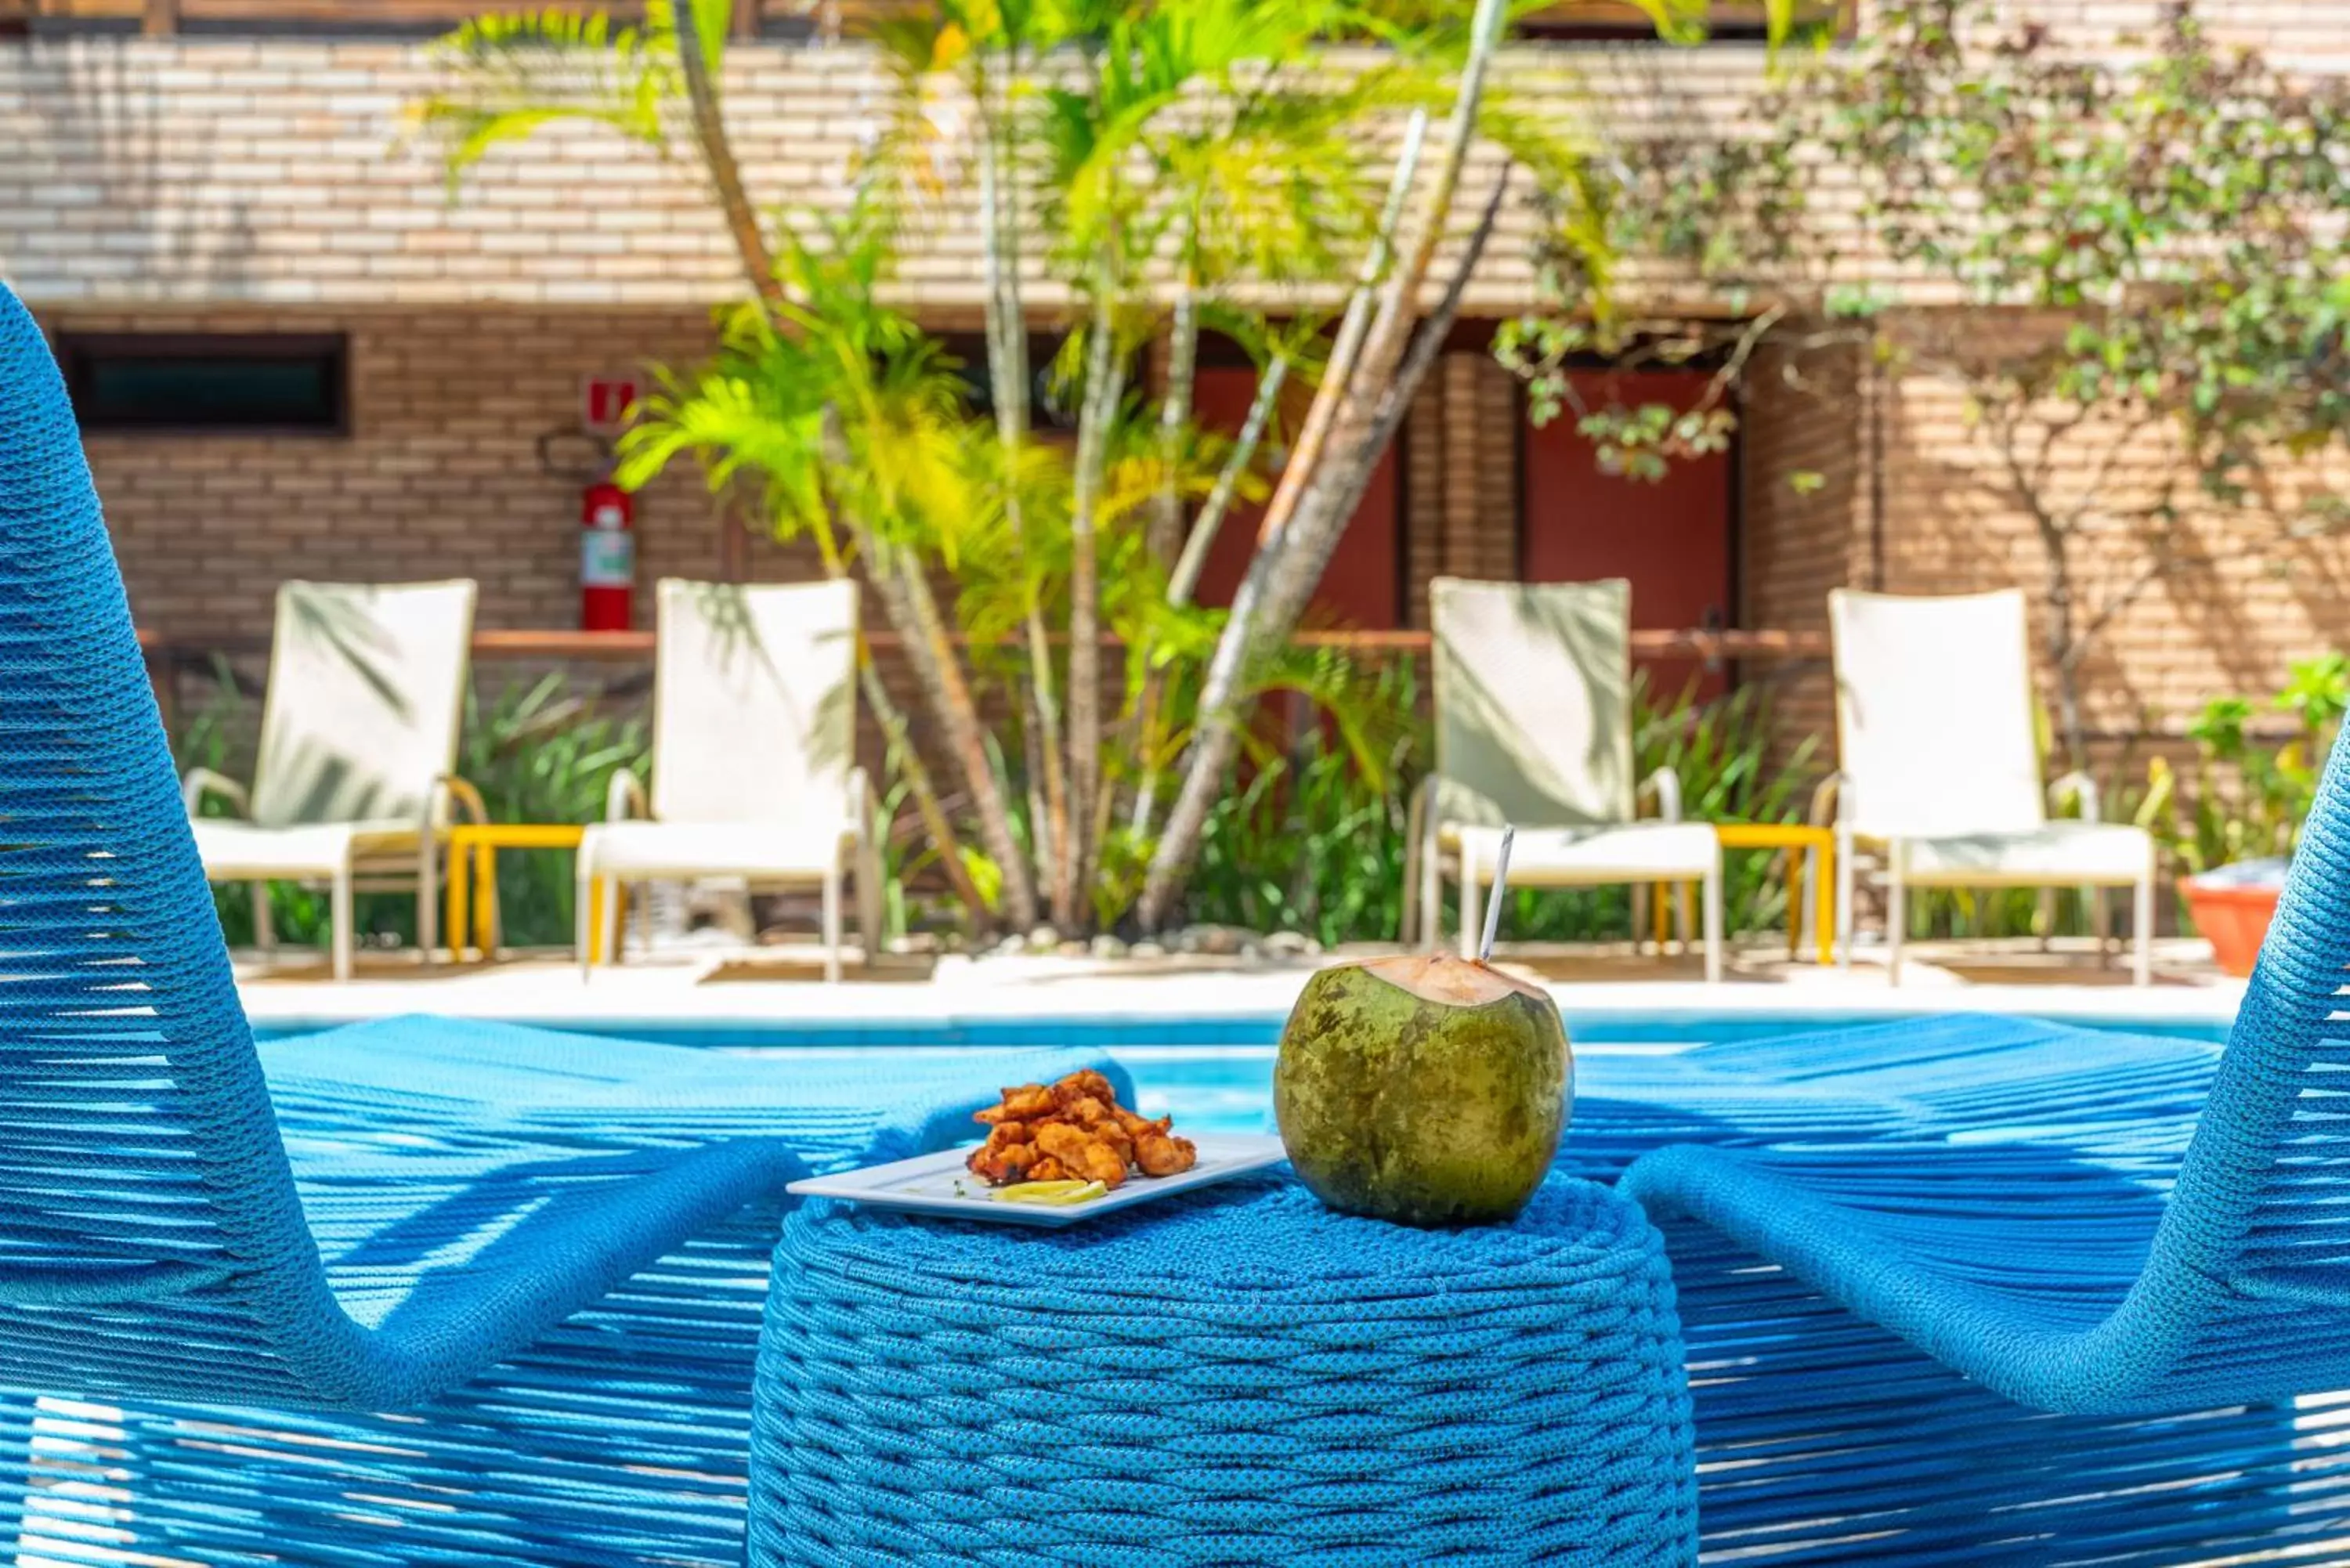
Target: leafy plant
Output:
[
  {"x": 2159, "y": 217},
  {"x": 1306, "y": 839},
  {"x": 219, "y": 735},
  {"x": 1170, "y": 166},
  {"x": 536, "y": 755},
  {"x": 2250, "y": 792},
  {"x": 1725, "y": 752},
  {"x": 539, "y": 754}
]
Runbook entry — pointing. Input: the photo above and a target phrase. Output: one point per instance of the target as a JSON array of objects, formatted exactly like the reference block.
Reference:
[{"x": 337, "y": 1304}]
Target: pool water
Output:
[{"x": 1215, "y": 1074}]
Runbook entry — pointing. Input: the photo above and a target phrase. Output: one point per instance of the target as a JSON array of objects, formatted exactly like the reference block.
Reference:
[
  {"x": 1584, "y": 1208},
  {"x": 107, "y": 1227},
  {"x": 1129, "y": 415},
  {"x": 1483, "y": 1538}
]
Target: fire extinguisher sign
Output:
[{"x": 605, "y": 402}]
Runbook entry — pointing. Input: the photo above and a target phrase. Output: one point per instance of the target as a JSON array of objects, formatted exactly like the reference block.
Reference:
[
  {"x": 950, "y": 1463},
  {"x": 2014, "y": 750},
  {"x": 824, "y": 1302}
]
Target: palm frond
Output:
[{"x": 506, "y": 76}]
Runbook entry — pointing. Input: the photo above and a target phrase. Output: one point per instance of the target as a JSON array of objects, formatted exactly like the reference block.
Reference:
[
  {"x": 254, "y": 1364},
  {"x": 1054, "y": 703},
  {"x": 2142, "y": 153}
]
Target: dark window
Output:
[
  {"x": 188, "y": 383},
  {"x": 1726, "y": 20},
  {"x": 1044, "y": 410}
]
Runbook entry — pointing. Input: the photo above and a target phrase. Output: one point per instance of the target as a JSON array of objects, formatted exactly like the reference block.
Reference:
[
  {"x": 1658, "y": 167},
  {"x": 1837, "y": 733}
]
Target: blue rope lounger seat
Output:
[
  {"x": 835, "y": 1111},
  {"x": 1233, "y": 1378},
  {"x": 1822, "y": 1436},
  {"x": 412, "y": 1292},
  {"x": 2092, "y": 1281},
  {"x": 1958, "y": 1076},
  {"x": 2140, "y": 1233}
]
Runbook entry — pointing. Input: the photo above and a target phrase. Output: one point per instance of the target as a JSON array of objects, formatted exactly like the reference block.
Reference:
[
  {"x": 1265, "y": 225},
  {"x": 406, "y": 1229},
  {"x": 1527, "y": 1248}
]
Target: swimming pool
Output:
[{"x": 1215, "y": 1074}]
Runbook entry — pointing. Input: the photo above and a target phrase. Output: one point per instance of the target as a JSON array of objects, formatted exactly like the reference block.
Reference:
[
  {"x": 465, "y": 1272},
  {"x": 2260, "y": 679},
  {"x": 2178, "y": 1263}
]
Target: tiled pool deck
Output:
[{"x": 1204, "y": 1000}]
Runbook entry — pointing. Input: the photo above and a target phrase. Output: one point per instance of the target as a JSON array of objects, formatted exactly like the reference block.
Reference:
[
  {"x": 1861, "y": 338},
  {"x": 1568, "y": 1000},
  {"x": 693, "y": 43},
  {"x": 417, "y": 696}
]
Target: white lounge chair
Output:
[
  {"x": 753, "y": 765},
  {"x": 1941, "y": 772},
  {"x": 1534, "y": 727},
  {"x": 355, "y": 779}
]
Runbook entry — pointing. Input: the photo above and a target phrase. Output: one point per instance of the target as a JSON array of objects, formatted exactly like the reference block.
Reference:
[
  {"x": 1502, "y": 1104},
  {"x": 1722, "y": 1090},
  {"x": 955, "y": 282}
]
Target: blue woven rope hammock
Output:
[
  {"x": 417, "y": 1291},
  {"x": 2003, "y": 1290},
  {"x": 2079, "y": 1282}
]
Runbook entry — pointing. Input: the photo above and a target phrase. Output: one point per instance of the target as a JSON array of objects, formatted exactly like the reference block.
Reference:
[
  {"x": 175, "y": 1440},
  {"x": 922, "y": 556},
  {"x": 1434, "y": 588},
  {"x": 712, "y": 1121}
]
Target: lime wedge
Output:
[{"x": 1050, "y": 1192}]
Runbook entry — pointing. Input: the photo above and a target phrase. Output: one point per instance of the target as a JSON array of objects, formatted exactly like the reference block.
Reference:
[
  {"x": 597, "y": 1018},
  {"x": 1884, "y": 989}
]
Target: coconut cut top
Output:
[{"x": 1450, "y": 981}]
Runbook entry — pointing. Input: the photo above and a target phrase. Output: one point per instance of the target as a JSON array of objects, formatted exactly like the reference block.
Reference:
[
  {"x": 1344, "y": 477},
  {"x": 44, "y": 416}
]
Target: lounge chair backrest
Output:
[
  {"x": 755, "y": 707},
  {"x": 2258, "y": 1229},
  {"x": 367, "y": 688},
  {"x": 1934, "y": 714},
  {"x": 148, "y": 1220},
  {"x": 1533, "y": 702}
]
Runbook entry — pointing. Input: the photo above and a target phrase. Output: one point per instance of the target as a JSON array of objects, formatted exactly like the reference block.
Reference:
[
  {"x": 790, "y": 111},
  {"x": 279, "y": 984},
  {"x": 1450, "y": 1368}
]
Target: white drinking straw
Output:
[{"x": 1500, "y": 884}]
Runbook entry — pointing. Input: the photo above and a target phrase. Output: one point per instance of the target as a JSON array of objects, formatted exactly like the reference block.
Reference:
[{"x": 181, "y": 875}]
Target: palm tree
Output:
[
  {"x": 509, "y": 76},
  {"x": 1382, "y": 352},
  {"x": 1195, "y": 129},
  {"x": 1206, "y": 131},
  {"x": 980, "y": 48},
  {"x": 1368, "y": 367},
  {"x": 852, "y": 420},
  {"x": 1155, "y": 139}
]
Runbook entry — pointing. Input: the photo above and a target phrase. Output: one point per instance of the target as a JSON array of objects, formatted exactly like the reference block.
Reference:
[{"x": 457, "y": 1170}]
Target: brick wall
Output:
[
  {"x": 2244, "y": 603},
  {"x": 2314, "y": 30},
  {"x": 439, "y": 474},
  {"x": 1803, "y": 469},
  {"x": 284, "y": 170},
  {"x": 242, "y": 183},
  {"x": 1460, "y": 477}
]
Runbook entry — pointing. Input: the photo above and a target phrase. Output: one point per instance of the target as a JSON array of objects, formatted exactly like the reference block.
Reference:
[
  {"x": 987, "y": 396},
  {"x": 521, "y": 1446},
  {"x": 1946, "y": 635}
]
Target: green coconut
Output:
[{"x": 1427, "y": 1091}]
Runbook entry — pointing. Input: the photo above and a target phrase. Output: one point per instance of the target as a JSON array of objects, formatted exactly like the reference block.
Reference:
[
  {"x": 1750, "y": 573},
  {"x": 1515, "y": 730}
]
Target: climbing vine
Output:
[{"x": 2158, "y": 219}]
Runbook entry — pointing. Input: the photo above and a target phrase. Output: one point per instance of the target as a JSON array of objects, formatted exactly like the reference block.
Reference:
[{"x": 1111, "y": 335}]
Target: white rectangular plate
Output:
[{"x": 938, "y": 1184}]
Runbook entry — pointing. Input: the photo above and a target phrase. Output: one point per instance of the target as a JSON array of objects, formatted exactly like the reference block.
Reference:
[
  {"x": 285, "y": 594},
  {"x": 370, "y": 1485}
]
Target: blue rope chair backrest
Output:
[
  {"x": 2248, "y": 1280},
  {"x": 150, "y": 1234}
]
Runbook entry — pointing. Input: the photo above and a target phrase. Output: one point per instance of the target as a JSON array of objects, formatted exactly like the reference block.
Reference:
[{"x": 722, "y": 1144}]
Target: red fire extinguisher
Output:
[{"x": 607, "y": 557}]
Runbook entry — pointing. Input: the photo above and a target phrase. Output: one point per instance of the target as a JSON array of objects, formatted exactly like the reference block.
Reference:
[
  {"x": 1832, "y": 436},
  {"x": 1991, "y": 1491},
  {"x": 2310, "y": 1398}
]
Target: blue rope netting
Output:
[
  {"x": 2080, "y": 1282},
  {"x": 1224, "y": 1378},
  {"x": 1978, "y": 1289},
  {"x": 542, "y": 1257}
]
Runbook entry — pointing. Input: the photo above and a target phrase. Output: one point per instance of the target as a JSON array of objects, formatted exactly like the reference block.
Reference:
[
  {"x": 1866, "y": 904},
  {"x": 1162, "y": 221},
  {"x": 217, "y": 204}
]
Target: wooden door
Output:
[
  {"x": 1672, "y": 537},
  {"x": 1364, "y": 585}
]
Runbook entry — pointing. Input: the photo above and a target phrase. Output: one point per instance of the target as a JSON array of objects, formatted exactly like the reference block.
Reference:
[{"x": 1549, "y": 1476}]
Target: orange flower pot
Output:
[{"x": 2233, "y": 919}]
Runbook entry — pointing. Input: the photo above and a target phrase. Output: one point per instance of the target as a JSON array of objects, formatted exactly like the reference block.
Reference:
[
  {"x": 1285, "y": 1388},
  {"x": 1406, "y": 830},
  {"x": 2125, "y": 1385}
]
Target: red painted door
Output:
[
  {"x": 1362, "y": 587},
  {"x": 1671, "y": 536}
]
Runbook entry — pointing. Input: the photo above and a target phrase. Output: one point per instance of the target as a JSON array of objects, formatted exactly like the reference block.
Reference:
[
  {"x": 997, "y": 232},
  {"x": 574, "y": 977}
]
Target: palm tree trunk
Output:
[
  {"x": 902, "y": 755},
  {"x": 906, "y": 599},
  {"x": 1346, "y": 352},
  {"x": 1007, "y": 364},
  {"x": 1105, "y": 386},
  {"x": 940, "y": 670},
  {"x": 1224, "y": 667},
  {"x": 1290, "y": 573},
  {"x": 1185, "y": 580},
  {"x": 1174, "y": 413},
  {"x": 1371, "y": 424},
  {"x": 718, "y": 156},
  {"x": 910, "y": 766},
  {"x": 759, "y": 270},
  {"x": 1353, "y": 397}
]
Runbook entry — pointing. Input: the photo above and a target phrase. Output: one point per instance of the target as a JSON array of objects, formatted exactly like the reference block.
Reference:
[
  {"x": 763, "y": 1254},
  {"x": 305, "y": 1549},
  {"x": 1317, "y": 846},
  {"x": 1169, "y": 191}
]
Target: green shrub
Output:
[
  {"x": 1304, "y": 842},
  {"x": 537, "y": 755},
  {"x": 2248, "y": 797}
]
